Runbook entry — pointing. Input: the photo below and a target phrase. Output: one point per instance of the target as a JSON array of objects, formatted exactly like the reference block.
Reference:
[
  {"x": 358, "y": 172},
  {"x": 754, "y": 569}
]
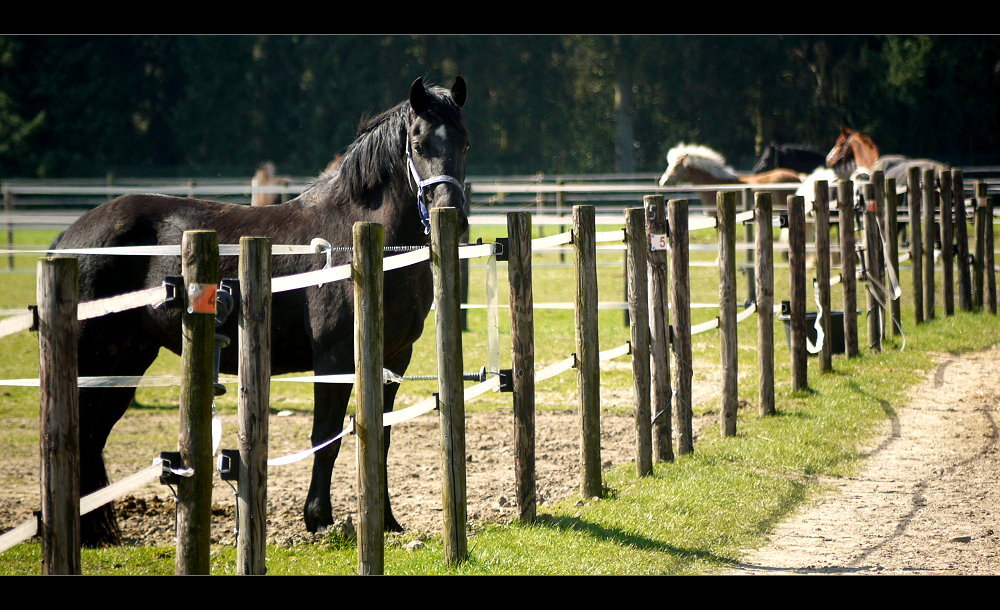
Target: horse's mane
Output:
[
  {"x": 702, "y": 158},
  {"x": 379, "y": 152}
]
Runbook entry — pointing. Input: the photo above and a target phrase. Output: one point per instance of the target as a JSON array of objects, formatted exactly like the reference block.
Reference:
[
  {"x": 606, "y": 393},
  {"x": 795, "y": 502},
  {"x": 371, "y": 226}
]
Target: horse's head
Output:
[
  {"x": 676, "y": 171},
  {"x": 436, "y": 143},
  {"x": 851, "y": 151}
]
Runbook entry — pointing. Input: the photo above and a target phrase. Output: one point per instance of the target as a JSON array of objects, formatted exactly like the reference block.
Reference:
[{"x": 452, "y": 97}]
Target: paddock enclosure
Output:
[{"x": 608, "y": 262}]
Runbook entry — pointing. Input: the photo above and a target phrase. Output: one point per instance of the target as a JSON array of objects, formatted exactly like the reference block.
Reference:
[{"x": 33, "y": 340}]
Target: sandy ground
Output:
[{"x": 927, "y": 501}]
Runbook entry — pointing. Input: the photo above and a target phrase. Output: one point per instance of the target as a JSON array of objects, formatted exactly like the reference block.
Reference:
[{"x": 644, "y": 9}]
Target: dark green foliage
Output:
[{"x": 221, "y": 105}]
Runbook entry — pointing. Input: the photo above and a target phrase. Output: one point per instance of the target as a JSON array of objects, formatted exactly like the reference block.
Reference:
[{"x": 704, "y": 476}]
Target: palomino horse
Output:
[
  {"x": 406, "y": 160},
  {"x": 693, "y": 164}
]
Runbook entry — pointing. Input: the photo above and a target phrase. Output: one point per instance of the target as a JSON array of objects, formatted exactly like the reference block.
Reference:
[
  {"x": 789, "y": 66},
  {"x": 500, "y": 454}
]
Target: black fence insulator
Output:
[
  {"x": 229, "y": 464},
  {"x": 506, "y": 380},
  {"x": 503, "y": 248},
  {"x": 171, "y": 459},
  {"x": 783, "y": 221},
  {"x": 786, "y": 308},
  {"x": 34, "y": 318},
  {"x": 175, "y": 292}
]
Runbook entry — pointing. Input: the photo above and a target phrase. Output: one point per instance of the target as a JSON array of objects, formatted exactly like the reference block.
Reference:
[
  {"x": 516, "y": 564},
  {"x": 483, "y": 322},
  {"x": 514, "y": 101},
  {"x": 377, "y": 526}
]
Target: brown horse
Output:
[
  {"x": 692, "y": 164},
  {"x": 853, "y": 150}
]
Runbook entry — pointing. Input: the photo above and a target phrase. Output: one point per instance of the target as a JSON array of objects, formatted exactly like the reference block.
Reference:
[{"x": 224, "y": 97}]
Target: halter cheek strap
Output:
[{"x": 422, "y": 184}]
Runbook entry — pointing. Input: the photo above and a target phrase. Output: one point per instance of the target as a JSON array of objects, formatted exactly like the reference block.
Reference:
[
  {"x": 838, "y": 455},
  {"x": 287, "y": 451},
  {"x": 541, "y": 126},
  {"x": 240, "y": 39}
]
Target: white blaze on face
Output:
[{"x": 441, "y": 133}]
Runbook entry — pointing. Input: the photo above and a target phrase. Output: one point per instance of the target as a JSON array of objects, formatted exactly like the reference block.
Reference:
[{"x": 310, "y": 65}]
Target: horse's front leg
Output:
[
  {"x": 396, "y": 364},
  {"x": 328, "y": 421}
]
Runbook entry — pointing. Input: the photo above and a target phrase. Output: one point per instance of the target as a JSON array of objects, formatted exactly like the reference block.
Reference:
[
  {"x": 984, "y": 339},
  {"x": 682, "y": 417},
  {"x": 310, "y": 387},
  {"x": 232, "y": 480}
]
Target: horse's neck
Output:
[
  {"x": 865, "y": 154},
  {"x": 699, "y": 176}
]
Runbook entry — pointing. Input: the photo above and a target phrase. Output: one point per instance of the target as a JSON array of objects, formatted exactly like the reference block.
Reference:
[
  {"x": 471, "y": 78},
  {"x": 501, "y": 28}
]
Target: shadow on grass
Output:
[{"x": 625, "y": 538}]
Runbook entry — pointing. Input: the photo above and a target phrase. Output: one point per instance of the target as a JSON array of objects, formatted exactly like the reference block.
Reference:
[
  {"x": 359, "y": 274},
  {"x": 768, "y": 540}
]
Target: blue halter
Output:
[{"x": 422, "y": 184}]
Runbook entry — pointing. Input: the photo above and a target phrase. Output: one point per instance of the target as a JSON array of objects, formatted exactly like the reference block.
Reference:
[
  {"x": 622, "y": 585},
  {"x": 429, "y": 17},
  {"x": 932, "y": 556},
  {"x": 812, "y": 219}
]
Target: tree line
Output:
[{"x": 199, "y": 105}]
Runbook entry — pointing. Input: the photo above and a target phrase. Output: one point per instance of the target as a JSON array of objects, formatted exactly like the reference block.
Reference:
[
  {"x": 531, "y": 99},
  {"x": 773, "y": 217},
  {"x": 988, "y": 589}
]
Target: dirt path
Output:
[{"x": 927, "y": 501}]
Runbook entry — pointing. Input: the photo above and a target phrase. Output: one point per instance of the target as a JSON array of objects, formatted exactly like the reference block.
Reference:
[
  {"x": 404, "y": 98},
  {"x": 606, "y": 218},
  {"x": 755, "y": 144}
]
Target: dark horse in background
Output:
[
  {"x": 856, "y": 153},
  {"x": 797, "y": 157},
  {"x": 312, "y": 327}
]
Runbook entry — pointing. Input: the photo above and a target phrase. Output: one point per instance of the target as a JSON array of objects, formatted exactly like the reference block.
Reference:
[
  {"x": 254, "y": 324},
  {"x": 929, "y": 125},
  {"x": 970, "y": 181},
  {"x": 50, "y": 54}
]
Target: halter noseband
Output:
[{"x": 422, "y": 184}]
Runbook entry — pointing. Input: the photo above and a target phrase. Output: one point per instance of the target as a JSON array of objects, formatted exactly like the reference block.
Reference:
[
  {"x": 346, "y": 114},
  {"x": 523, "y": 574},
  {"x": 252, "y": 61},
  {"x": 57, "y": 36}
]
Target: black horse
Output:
[
  {"x": 404, "y": 161},
  {"x": 802, "y": 159}
]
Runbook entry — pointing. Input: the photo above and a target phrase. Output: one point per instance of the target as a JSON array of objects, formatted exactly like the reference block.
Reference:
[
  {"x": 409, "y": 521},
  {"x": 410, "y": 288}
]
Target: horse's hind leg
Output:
[{"x": 105, "y": 350}]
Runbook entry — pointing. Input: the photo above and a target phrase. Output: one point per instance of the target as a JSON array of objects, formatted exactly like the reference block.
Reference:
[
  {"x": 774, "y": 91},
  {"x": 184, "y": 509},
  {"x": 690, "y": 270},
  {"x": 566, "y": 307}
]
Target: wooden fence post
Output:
[
  {"x": 680, "y": 305},
  {"x": 638, "y": 303},
  {"x": 366, "y": 271},
  {"x": 892, "y": 233},
  {"x": 876, "y": 195},
  {"x": 748, "y": 228},
  {"x": 522, "y": 333},
  {"x": 659, "y": 328},
  {"x": 253, "y": 401},
  {"x": 913, "y": 198},
  {"x": 821, "y": 208},
  {"x": 797, "y": 266},
  {"x": 947, "y": 241},
  {"x": 725, "y": 214},
  {"x": 979, "y": 223},
  {"x": 962, "y": 239},
  {"x": 873, "y": 244},
  {"x": 765, "y": 301},
  {"x": 200, "y": 268},
  {"x": 588, "y": 365},
  {"x": 848, "y": 258},
  {"x": 989, "y": 259},
  {"x": 8, "y": 207},
  {"x": 444, "y": 263},
  {"x": 930, "y": 235},
  {"x": 57, "y": 298}
]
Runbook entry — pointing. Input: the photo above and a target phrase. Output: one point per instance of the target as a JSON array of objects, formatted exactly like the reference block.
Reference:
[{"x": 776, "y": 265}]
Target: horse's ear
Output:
[
  {"x": 458, "y": 91},
  {"x": 418, "y": 96}
]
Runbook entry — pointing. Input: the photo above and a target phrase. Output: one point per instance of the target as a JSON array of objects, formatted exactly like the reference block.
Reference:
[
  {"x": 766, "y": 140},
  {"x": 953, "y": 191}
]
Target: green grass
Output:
[{"x": 693, "y": 516}]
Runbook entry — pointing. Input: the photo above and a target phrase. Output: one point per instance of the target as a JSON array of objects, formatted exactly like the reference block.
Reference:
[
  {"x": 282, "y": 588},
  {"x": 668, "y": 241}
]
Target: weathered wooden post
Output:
[
  {"x": 979, "y": 224},
  {"x": 873, "y": 244},
  {"x": 913, "y": 198},
  {"x": 765, "y": 301},
  {"x": 848, "y": 273},
  {"x": 821, "y": 208},
  {"x": 797, "y": 266},
  {"x": 588, "y": 365},
  {"x": 947, "y": 241},
  {"x": 200, "y": 268},
  {"x": 254, "y": 339},
  {"x": 876, "y": 194},
  {"x": 930, "y": 236},
  {"x": 659, "y": 328},
  {"x": 962, "y": 239},
  {"x": 892, "y": 233},
  {"x": 989, "y": 259},
  {"x": 638, "y": 303},
  {"x": 680, "y": 305},
  {"x": 8, "y": 207},
  {"x": 57, "y": 295},
  {"x": 522, "y": 333},
  {"x": 725, "y": 214},
  {"x": 748, "y": 228},
  {"x": 451, "y": 397},
  {"x": 369, "y": 329}
]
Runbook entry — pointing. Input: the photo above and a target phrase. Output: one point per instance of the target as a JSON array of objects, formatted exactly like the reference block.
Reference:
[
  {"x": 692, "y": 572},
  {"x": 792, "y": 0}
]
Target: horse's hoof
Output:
[
  {"x": 317, "y": 519},
  {"x": 391, "y": 525}
]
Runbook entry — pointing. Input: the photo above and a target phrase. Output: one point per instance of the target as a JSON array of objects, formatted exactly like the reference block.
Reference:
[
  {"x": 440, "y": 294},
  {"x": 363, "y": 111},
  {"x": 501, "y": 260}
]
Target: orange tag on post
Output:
[{"x": 201, "y": 298}]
